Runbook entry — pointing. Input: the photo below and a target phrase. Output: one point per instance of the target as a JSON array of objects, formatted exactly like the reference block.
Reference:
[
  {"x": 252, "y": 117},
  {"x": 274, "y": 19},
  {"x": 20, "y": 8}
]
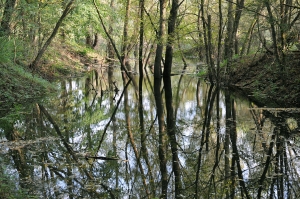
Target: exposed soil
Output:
[{"x": 265, "y": 83}]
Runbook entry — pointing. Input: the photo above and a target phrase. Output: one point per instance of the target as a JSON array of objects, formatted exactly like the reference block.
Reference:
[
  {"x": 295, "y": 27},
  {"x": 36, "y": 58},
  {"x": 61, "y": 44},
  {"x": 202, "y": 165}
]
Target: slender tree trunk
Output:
[
  {"x": 237, "y": 17},
  {"x": 110, "y": 48},
  {"x": 206, "y": 42},
  {"x": 211, "y": 63},
  {"x": 41, "y": 52},
  {"x": 248, "y": 37},
  {"x": 144, "y": 151},
  {"x": 273, "y": 32},
  {"x": 125, "y": 40},
  {"x": 95, "y": 42},
  {"x": 158, "y": 101},
  {"x": 220, "y": 36},
  {"x": 228, "y": 51},
  {"x": 171, "y": 128}
]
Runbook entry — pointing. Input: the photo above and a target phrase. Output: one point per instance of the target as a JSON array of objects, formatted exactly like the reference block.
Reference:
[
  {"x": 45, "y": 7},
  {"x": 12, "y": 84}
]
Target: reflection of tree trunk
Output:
[
  {"x": 162, "y": 138},
  {"x": 267, "y": 164},
  {"x": 235, "y": 152},
  {"x": 171, "y": 129},
  {"x": 131, "y": 139},
  {"x": 177, "y": 98},
  {"x": 114, "y": 127},
  {"x": 227, "y": 139},
  {"x": 205, "y": 133},
  {"x": 259, "y": 120},
  {"x": 208, "y": 116},
  {"x": 218, "y": 145}
]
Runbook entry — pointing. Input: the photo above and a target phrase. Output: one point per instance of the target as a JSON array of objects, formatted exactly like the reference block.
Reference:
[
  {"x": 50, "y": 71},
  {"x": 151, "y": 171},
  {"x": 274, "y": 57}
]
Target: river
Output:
[{"x": 91, "y": 139}]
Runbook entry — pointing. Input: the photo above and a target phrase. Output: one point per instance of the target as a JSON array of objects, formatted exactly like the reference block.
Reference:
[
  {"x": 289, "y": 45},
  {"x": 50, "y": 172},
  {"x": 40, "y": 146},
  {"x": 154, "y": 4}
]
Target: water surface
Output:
[{"x": 91, "y": 139}]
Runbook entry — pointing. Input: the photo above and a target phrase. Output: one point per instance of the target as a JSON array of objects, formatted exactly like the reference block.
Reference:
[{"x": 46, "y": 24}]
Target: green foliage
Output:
[
  {"x": 202, "y": 72},
  {"x": 224, "y": 63},
  {"x": 6, "y": 50}
]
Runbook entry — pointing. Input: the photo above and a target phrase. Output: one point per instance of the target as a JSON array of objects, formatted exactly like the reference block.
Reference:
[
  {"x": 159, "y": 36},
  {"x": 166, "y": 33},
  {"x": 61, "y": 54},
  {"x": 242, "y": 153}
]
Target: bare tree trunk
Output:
[
  {"x": 248, "y": 37},
  {"x": 144, "y": 152},
  {"x": 273, "y": 32},
  {"x": 171, "y": 128},
  {"x": 237, "y": 17},
  {"x": 159, "y": 103},
  {"x": 110, "y": 48},
  {"x": 41, "y": 52},
  {"x": 206, "y": 44},
  {"x": 220, "y": 36}
]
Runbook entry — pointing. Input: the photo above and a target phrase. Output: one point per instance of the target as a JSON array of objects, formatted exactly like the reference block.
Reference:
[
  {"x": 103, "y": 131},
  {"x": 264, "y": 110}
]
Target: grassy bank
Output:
[
  {"x": 263, "y": 81},
  {"x": 20, "y": 85}
]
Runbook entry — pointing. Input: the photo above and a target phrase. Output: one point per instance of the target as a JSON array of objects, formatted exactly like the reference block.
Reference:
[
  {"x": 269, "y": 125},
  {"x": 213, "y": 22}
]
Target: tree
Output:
[
  {"x": 67, "y": 10},
  {"x": 158, "y": 99},
  {"x": 171, "y": 129}
]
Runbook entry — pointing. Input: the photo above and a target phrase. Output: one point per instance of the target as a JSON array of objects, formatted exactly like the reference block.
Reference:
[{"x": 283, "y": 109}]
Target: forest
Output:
[{"x": 149, "y": 99}]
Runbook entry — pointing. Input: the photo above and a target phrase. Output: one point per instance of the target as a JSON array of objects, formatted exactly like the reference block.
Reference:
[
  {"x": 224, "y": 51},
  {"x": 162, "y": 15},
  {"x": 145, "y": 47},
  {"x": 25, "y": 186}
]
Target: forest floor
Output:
[{"x": 267, "y": 84}]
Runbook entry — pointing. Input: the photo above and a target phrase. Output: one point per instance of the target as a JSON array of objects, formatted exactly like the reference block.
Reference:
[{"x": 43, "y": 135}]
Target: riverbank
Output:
[
  {"x": 265, "y": 83},
  {"x": 255, "y": 76},
  {"x": 20, "y": 85}
]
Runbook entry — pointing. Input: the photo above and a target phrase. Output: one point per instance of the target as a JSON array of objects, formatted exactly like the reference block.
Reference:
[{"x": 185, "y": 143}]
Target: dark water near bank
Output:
[{"x": 89, "y": 141}]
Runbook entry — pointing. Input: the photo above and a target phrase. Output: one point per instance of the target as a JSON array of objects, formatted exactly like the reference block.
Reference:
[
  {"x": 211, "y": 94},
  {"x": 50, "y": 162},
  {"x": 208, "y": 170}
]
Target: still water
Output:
[{"x": 95, "y": 139}]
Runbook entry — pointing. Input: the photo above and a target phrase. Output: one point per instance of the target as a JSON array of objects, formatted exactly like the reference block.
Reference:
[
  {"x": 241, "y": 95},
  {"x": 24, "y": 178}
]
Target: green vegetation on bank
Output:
[
  {"x": 20, "y": 85},
  {"x": 17, "y": 85}
]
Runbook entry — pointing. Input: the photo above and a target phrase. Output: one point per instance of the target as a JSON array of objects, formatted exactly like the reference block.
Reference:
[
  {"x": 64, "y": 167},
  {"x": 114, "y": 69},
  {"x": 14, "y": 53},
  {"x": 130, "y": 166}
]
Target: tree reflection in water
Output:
[{"x": 223, "y": 146}]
